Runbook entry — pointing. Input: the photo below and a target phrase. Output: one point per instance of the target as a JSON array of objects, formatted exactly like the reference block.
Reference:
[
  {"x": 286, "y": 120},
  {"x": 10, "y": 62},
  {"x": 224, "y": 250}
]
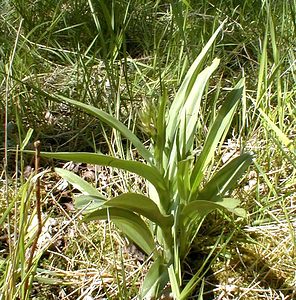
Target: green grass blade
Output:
[
  {"x": 200, "y": 274},
  {"x": 283, "y": 138}
]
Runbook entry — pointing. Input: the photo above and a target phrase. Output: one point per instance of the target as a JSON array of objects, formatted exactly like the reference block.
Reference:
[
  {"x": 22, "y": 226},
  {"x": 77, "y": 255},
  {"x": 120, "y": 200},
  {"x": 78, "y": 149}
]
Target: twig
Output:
[{"x": 38, "y": 211}]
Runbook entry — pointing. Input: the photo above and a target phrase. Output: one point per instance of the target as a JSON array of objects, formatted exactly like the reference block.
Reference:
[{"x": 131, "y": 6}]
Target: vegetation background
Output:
[{"x": 117, "y": 55}]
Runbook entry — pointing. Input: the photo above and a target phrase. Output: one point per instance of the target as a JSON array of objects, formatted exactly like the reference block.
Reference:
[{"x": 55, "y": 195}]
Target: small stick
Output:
[{"x": 38, "y": 210}]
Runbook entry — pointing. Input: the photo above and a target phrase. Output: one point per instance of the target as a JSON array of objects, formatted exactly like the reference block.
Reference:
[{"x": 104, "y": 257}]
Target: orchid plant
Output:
[{"x": 179, "y": 196}]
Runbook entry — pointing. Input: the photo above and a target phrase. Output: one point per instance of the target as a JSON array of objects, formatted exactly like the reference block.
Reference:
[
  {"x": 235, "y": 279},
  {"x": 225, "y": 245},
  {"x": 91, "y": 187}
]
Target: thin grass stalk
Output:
[
  {"x": 8, "y": 86},
  {"x": 39, "y": 217}
]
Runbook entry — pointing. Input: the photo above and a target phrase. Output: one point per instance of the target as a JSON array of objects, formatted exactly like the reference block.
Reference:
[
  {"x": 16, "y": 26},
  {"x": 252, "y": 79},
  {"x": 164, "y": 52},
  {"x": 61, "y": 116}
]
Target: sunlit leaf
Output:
[
  {"x": 129, "y": 223},
  {"x": 186, "y": 119},
  {"x": 186, "y": 87},
  {"x": 79, "y": 183},
  {"x": 26, "y": 139},
  {"x": 201, "y": 208},
  {"x": 142, "y": 205},
  {"x": 149, "y": 173},
  {"x": 226, "y": 178},
  {"x": 220, "y": 125},
  {"x": 155, "y": 280},
  {"x": 104, "y": 117},
  {"x": 161, "y": 131},
  {"x": 88, "y": 203},
  {"x": 189, "y": 113},
  {"x": 175, "y": 285},
  {"x": 282, "y": 137}
]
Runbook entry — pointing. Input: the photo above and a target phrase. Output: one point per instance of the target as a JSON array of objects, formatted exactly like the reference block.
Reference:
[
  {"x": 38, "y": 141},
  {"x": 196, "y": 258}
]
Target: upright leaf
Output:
[
  {"x": 225, "y": 179},
  {"x": 155, "y": 280},
  {"x": 189, "y": 113},
  {"x": 220, "y": 125},
  {"x": 186, "y": 87},
  {"x": 187, "y": 120},
  {"x": 161, "y": 132}
]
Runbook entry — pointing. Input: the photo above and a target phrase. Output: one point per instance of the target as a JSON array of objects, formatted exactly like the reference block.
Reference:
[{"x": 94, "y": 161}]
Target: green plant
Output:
[{"x": 179, "y": 195}]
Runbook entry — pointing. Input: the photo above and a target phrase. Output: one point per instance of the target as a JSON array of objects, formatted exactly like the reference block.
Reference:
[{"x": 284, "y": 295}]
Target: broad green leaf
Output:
[
  {"x": 78, "y": 183},
  {"x": 142, "y": 205},
  {"x": 129, "y": 223},
  {"x": 201, "y": 208},
  {"x": 88, "y": 203},
  {"x": 220, "y": 125},
  {"x": 155, "y": 280},
  {"x": 104, "y": 117},
  {"x": 149, "y": 173},
  {"x": 186, "y": 87},
  {"x": 187, "y": 119},
  {"x": 189, "y": 113},
  {"x": 152, "y": 194},
  {"x": 225, "y": 179}
]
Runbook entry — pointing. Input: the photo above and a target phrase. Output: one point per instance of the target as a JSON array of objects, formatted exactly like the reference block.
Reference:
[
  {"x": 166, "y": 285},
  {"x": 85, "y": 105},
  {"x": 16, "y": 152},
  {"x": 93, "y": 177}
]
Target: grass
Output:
[{"x": 118, "y": 62}]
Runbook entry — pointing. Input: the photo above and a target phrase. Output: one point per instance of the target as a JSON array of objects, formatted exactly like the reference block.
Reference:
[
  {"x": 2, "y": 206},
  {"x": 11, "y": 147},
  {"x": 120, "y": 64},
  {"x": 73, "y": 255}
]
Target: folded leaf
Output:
[
  {"x": 142, "y": 205},
  {"x": 147, "y": 172},
  {"x": 226, "y": 178},
  {"x": 155, "y": 280},
  {"x": 88, "y": 203},
  {"x": 201, "y": 208},
  {"x": 219, "y": 127}
]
